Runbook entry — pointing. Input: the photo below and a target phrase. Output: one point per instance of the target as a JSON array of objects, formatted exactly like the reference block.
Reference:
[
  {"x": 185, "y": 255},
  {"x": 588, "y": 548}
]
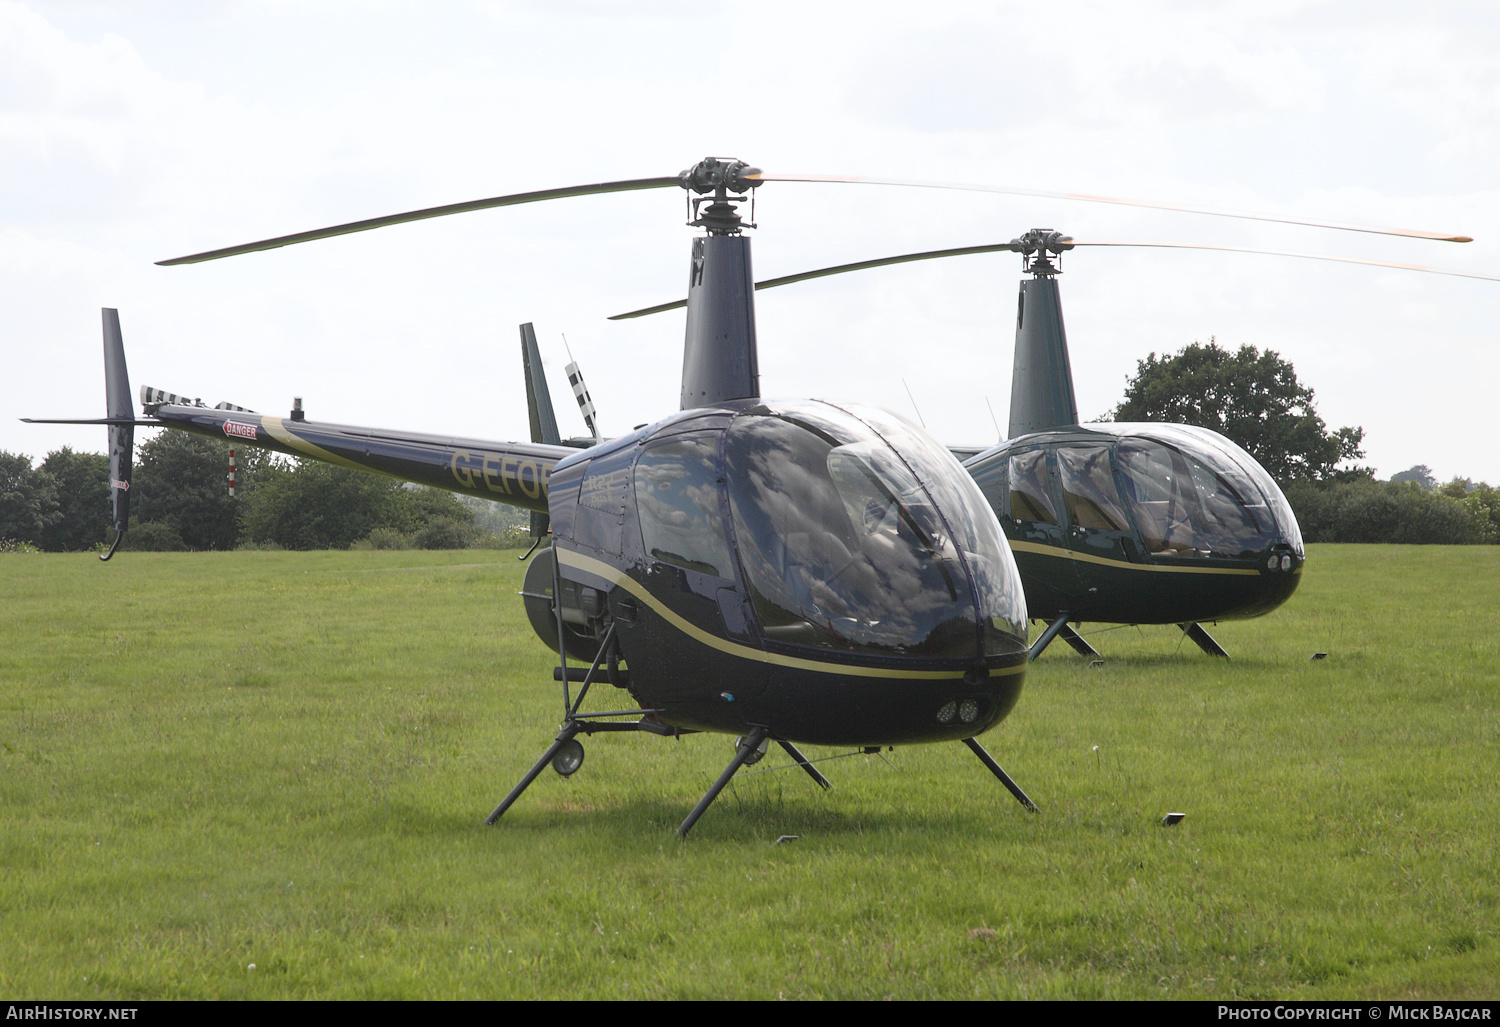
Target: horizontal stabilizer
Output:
[{"x": 92, "y": 420}]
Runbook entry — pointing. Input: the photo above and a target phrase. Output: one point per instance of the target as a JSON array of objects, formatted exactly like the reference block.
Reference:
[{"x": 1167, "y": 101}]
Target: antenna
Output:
[
  {"x": 581, "y": 392},
  {"x": 913, "y": 402},
  {"x": 994, "y": 420}
]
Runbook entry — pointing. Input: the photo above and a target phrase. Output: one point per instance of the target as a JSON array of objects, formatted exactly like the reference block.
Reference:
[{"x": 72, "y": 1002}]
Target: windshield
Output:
[
  {"x": 844, "y": 546},
  {"x": 1255, "y": 478},
  {"x": 1184, "y": 508},
  {"x": 1244, "y": 481}
]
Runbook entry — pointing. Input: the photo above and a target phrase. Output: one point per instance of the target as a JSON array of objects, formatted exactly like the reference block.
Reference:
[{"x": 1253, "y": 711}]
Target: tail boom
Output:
[{"x": 514, "y": 473}]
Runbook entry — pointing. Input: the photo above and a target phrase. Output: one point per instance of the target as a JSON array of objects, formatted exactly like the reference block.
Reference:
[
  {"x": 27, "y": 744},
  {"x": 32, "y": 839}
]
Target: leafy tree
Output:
[
  {"x": 445, "y": 533},
  {"x": 182, "y": 480},
  {"x": 1418, "y": 475},
  {"x": 1482, "y": 500},
  {"x": 312, "y": 505},
  {"x": 1254, "y": 398},
  {"x": 28, "y": 499},
  {"x": 1365, "y": 510},
  {"x": 152, "y": 537},
  {"x": 421, "y": 507},
  {"x": 82, "y": 498}
]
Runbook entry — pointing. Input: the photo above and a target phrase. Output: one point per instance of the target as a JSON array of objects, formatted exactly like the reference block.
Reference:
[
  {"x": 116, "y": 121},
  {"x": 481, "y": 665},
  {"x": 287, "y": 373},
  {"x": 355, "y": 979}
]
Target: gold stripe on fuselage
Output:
[
  {"x": 616, "y": 576},
  {"x": 278, "y": 431},
  {"x": 1067, "y": 554}
]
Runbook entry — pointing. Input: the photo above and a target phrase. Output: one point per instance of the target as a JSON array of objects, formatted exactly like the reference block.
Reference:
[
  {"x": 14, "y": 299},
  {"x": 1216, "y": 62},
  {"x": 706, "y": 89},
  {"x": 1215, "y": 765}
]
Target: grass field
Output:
[{"x": 209, "y": 761}]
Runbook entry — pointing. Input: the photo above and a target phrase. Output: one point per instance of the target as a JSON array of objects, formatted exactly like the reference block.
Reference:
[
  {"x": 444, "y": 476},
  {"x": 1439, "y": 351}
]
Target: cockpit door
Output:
[
  {"x": 689, "y": 565},
  {"x": 1098, "y": 531},
  {"x": 1097, "y": 525},
  {"x": 1034, "y": 523}
]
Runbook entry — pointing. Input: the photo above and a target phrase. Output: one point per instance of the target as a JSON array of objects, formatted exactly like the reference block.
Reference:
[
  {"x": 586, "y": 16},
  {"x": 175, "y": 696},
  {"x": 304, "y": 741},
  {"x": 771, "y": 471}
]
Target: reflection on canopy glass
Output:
[
  {"x": 1030, "y": 499},
  {"x": 1184, "y": 509},
  {"x": 1089, "y": 489},
  {"x": 970, "y": 521},
  {"x": 841, "y": 544},
  {"x": 677, "y": 499}
]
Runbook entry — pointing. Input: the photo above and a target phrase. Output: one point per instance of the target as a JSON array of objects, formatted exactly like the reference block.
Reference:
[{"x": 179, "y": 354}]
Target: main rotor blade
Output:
[
  {"x": 960, "y": 251},
  {"x": 627, "y": 185},
  {"x": 1410, "y": 233},
  {"x": 838, "y": 269},
  {"x": 1300, "y": 256}
]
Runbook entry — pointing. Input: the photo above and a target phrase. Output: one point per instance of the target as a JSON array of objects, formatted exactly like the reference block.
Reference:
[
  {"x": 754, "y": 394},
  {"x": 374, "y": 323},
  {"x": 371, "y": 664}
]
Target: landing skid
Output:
[
  {"x": 1060, "y": 628},
  {"x": 1204, "y": 639}
]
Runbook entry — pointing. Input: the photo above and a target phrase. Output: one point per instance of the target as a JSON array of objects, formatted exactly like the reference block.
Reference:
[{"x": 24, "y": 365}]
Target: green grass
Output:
[{"x": 213, "y": 760}]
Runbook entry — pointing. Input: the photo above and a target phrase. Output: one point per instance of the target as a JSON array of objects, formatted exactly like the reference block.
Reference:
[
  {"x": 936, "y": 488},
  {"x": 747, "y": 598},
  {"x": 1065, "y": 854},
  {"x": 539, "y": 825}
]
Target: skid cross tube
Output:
[
  {"x": 1059, "y": 628},
  {"x": 748, "y": 745},
  {"x": 989, "y": 761},
  {"x": 1205, "y": 641},
  {"x": 806, "y": 764},
  {"x": 1046, "y": 637},
  {"x": 1074, "y": 639}
]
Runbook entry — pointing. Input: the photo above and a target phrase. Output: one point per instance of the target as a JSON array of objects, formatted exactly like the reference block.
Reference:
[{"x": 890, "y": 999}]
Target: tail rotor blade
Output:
[{"x": 581, "y": 393}]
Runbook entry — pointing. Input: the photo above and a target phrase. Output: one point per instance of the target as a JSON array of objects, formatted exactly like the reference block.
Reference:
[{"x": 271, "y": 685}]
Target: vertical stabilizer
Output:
[
  {"x": 538, "y": 398},
  {"x": 538, "y": 409},
  {"x": 118, "y": 406}
]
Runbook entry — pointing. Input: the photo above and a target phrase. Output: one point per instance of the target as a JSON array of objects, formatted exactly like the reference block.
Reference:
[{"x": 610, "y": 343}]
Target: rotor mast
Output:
[
  {"x": 719, "y": 360},
  {"x": 1041, "y": 387}
]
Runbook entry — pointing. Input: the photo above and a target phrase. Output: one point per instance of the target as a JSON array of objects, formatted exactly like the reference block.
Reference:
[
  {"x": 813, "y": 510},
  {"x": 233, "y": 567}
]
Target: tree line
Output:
[
  {"x": 180, "y": 501},
  {"x": 1255, "y": 399},
  {"x": 180, "y": 497}
]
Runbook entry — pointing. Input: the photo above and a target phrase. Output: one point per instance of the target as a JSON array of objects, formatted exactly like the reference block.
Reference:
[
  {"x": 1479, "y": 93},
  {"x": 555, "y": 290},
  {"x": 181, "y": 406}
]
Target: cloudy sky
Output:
[{"x": 134, "y": 132}]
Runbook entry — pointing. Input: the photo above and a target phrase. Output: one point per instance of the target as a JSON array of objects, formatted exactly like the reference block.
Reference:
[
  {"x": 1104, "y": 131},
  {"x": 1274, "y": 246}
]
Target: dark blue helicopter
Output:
[
  {"x": 797, "y": 572},
  {"x": 1121, "y": 523}
]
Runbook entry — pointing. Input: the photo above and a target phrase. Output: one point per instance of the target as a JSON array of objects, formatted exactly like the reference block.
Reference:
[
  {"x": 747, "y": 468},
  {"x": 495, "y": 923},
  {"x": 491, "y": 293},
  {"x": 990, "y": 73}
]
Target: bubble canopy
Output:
[
  {"x": 1196, "y": 493},
  {"x": 858, "y": 532}
]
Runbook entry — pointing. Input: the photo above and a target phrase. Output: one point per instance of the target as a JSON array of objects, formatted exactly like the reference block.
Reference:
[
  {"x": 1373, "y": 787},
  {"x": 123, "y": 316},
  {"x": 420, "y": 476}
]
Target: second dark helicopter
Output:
[{"x": 1123, "y": 523}]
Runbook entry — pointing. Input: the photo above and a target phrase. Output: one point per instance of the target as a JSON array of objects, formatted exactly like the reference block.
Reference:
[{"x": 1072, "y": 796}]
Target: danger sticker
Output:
[{"x": 244, "y": 431}]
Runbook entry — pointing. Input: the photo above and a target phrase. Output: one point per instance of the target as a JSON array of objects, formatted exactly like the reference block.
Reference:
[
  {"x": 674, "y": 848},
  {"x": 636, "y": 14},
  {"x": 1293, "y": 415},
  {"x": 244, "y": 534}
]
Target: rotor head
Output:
[
  {"x": 1037, "y": 248},
  {"x": 729, "y": 182}
]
